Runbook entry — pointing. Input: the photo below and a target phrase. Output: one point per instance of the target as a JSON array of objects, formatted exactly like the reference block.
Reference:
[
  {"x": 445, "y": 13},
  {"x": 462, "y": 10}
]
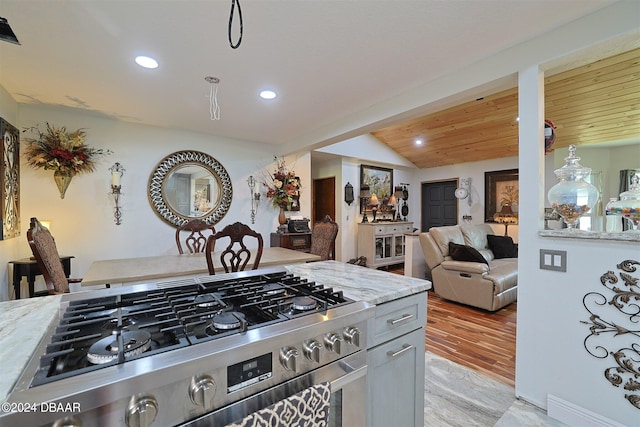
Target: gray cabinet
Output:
[
  {"x": 383, "y": 243},
  {"x": 395, "y": 363}
]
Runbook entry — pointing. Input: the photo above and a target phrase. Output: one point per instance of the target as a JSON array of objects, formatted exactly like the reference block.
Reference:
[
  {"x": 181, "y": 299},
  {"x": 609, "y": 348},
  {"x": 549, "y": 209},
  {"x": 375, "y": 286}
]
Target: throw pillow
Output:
[
  {"x": 502, "y": 246},
  {"x": 465, "y": 253}
]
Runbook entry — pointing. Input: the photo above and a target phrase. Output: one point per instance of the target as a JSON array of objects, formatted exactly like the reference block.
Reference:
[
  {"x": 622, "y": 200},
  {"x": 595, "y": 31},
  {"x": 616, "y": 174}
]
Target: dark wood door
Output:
[
  {"x": 324, "y": 199},
  {"x": 439, "y": 204}
]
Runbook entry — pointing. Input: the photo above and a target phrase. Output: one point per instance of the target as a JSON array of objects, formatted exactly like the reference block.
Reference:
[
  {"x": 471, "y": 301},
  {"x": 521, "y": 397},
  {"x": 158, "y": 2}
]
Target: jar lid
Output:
[
  {"x": 633, "y": 193},
  {"x": 572, "y": 169}
]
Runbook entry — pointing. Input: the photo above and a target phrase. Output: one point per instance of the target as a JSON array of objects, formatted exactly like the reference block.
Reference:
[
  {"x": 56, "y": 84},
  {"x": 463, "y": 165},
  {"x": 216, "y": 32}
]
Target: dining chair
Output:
[
  {"x": 323, "y": 238},
  {"x": 194, "y": 235},
  {"x": 46, "y": 254},
  {"x": 236, "y": 255}
]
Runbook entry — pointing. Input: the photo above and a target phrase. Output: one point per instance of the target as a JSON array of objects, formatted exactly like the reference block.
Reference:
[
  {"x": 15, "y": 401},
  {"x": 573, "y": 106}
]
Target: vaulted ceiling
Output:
[{"x": 591, "y": 104}]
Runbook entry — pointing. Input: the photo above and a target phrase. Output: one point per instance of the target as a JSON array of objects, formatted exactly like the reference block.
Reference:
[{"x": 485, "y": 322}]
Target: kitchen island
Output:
[{"x": 22, "y": 323}]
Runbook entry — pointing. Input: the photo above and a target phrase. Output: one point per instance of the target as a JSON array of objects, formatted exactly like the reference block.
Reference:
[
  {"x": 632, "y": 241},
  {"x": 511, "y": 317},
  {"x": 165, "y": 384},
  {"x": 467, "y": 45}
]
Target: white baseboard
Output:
[{"x": 574, "y": 415}]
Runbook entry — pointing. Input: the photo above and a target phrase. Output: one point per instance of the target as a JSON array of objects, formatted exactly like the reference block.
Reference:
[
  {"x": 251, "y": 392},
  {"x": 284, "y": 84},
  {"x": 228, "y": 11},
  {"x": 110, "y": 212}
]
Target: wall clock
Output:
[{"x": 461, "y": 193}]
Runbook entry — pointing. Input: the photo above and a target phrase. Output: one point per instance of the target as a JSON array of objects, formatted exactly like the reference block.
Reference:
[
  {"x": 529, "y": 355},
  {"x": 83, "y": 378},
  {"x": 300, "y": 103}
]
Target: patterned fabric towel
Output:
[{"x": 309, "y": 408}]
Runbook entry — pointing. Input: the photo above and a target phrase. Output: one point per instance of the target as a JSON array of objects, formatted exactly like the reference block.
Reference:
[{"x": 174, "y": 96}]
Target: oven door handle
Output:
[{"x": 349, "y": 377}]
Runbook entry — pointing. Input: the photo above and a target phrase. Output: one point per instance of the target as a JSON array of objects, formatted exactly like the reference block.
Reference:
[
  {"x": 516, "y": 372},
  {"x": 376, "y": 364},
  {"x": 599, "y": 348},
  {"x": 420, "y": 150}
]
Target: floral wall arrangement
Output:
[
  {"x": 283, "y": 187},
  {"x": 63, "y": 152}
]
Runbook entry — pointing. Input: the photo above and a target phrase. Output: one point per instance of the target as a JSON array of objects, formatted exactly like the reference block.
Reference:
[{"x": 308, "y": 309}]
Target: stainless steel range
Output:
[{"x": 205, "y": 351}]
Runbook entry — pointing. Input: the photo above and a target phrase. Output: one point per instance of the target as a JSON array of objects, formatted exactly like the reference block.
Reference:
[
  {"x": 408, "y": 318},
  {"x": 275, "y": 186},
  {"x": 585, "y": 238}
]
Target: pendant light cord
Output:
[{"x": 233, "y": 6}]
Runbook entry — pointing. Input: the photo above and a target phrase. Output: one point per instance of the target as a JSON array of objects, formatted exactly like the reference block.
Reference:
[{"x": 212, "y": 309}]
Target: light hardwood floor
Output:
[{"x": 480, "y": 340}]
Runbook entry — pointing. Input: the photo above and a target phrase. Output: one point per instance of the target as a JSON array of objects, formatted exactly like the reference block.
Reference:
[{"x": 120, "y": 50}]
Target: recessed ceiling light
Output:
[
  {"x": 267, "y": 94},
  {"x": 418, "y": 141},
  {"x": 146, "y": 62}
]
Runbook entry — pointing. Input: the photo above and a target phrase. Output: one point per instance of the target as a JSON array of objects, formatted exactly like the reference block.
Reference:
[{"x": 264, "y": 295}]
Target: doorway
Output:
[
  {"x": 324, "y": 199},
  {"x": 439, "y": 204}
]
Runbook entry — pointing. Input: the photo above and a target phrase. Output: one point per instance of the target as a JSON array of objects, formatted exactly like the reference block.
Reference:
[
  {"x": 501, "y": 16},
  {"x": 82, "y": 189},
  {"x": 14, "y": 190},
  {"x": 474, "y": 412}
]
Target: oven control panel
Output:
[{"x": 249, "y": 372}]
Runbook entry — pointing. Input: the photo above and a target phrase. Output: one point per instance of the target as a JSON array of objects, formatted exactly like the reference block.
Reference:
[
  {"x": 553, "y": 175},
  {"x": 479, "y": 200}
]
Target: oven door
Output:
[{"x": 347, "y": 404}]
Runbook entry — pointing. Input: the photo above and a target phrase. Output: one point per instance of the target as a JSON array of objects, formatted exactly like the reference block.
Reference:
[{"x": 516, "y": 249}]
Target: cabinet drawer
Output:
[
  {"x": 396, "y": 318},
  {"x": 393, "y": 229}
]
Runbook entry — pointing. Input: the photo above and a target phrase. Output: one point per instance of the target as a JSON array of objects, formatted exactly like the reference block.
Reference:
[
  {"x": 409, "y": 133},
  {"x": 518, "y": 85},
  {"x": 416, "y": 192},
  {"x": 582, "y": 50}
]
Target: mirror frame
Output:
[{"x": 175, "y": 161}]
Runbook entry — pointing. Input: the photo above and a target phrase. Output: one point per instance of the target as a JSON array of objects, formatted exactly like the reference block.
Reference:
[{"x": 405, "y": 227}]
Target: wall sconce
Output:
[
  {"x": 405, "y": 196},
  {"x": 348, "y": 194},
  {"x": 365, "y": 194},
  {"x": 255, "y": 197},
  {"x": 116, "y": 177}
]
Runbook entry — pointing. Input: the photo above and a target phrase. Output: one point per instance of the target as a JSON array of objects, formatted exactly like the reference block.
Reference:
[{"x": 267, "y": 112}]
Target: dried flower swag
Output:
[{"x": 58, "y": 150}]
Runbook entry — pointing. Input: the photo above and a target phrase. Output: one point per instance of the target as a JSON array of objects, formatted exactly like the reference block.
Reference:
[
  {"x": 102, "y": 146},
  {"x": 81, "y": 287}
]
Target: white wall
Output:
[
  {"x": 83, "y": 223},
  {"x": 475, "y": 171}
]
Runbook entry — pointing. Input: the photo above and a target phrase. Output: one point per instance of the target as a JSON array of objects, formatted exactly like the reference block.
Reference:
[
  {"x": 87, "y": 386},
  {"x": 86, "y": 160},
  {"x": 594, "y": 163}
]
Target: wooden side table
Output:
[
  {"x": 295, "y": 241},
  {"x": 29, "y": 267}
]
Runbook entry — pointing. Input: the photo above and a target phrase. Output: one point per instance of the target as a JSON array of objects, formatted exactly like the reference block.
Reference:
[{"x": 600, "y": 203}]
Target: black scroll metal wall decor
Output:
[{"x": 614, "y": 325}]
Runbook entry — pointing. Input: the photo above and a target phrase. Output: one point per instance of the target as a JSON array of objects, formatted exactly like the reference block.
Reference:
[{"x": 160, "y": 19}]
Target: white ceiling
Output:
[{"x": 326, "y": 59}]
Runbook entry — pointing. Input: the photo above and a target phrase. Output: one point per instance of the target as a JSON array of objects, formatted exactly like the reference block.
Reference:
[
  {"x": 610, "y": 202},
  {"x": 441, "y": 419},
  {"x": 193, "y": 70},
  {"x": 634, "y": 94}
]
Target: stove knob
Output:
[
  {"x": 201, "y": 390},
  {"x": 352, "y": 335},
  {"x": 311, "y": 350},
  {"x": 288, "y": 356},
  {"x": 332, "y": 341},
  {"x": 67, "y": 422},
  {"x": 141, "y": 412}
]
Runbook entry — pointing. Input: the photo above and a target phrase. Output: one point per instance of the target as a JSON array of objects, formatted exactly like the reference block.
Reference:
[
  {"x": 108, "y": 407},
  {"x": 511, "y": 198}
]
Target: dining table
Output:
[{"x": 131, "y": 271}]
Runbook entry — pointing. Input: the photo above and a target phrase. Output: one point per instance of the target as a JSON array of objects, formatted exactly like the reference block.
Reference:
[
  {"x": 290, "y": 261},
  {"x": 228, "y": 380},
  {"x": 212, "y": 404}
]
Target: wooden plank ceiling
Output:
[{"x": 595, "y": 103}]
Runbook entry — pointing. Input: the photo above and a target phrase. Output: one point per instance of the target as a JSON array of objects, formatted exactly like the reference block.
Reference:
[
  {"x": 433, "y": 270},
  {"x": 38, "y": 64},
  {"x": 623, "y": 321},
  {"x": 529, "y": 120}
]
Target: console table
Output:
[
  {"x": 295, "y": 241},
  {"x": 383, "y": 243},
  {"x": 29, "y": 267}
]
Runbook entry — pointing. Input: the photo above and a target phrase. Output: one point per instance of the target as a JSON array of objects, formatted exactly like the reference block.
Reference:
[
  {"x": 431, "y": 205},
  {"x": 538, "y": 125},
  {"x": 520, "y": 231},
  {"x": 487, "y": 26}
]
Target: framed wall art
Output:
[
  {"x": 500, "y": 188},
  {"x": 9, "y": 180},
  {"x": 379, "y": 180}
]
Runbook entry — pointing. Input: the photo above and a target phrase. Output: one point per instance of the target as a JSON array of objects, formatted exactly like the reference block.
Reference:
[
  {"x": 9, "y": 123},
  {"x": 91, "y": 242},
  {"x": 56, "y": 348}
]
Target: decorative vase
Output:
[
  {"x": 572, "y": 197},
  {"x": 629, "y": 204},
  {"x": 62, "y": 181},
  {"x": 282, "y": 218}
]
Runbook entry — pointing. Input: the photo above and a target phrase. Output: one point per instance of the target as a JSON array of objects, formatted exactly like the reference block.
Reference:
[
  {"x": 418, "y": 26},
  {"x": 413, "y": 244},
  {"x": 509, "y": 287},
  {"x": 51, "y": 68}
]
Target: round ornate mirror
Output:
[{"x": 190, "y": 184}]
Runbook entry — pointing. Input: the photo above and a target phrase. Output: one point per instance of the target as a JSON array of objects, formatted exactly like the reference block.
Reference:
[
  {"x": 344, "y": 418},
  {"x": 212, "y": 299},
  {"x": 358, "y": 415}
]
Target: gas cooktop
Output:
[{"x": 98, "y": 332}]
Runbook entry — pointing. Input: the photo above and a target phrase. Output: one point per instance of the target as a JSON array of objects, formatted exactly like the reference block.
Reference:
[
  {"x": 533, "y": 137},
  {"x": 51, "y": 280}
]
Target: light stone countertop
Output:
[
  {"x": 360, "y": 283},
  {"x": 23, "y": 322},
  {"x": 565, "y": 233}
]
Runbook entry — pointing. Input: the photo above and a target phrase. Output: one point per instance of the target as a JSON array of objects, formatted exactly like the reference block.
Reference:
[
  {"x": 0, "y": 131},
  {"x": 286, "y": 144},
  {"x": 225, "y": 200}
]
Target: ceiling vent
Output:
[{"x": 6, "y": 33}]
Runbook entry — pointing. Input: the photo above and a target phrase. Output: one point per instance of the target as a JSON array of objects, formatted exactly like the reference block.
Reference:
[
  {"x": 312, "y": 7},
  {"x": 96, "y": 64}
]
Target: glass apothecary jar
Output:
[
  {"x": 629, "y": 204},
  {"x": 572, "y": 197}
]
